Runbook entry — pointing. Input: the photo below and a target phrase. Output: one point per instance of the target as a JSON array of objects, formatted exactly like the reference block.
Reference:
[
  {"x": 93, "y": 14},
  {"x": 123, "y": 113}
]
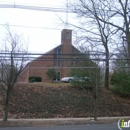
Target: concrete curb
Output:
[{"x": 63, "y": 121}]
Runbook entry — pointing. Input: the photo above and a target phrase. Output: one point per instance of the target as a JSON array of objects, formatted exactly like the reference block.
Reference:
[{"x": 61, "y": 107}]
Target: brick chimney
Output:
[
  {"x": 66, "y": 36},
  {"x": 66, "y": 40},
  {"x": 66, "y": 48}
]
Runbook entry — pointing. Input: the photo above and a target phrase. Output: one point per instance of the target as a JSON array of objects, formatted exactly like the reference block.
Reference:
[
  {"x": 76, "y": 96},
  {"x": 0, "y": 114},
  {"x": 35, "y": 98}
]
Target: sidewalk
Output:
[{"x": 61, "y": 121}]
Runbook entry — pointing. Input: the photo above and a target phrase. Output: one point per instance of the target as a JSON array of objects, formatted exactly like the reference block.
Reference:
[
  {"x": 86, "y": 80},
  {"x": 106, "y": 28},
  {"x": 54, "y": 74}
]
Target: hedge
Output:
[{"x": 34, "y": 79}]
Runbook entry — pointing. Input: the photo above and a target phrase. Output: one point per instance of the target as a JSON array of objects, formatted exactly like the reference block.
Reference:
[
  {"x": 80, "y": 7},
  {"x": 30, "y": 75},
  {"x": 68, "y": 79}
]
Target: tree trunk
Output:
[
  {"x": 6, "y": 106},
  {"x": 106, "y": 84},
  {"x": 128, "y": 46}
]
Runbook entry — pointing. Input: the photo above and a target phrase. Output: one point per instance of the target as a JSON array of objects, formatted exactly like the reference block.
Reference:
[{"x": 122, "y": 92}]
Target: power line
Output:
[
  {"x": 65, "y": 54},
  {"x": 38, "y": 8},
  {"x": 28, "y": 3},
  {"x": 61, "y": 57},
  {"x": 24, "y": 26},
  {"x": 64, "y": 59},
  {"x": 80, "y": 53},
  {"x": 71, "y": 67},
  {"x": 48, "y": 9}
]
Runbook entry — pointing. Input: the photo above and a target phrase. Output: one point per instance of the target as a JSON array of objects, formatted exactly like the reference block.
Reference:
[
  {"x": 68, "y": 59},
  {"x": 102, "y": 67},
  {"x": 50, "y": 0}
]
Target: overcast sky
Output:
[{"x": 40, "y": 39}]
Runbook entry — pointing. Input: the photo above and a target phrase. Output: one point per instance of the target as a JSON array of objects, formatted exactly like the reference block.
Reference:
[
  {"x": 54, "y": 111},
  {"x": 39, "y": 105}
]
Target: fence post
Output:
[{"x": 97, "y": 78}]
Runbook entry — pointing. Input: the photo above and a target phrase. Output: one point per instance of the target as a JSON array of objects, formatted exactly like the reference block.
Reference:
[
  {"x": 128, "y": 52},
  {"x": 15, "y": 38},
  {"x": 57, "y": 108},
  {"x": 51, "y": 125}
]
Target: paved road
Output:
[{"x": 75, "y": 127}]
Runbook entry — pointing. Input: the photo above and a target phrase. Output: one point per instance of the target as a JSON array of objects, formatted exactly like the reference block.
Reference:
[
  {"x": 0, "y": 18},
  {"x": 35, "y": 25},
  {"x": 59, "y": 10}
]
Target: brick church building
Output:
[{"x": 60, "y": 58}]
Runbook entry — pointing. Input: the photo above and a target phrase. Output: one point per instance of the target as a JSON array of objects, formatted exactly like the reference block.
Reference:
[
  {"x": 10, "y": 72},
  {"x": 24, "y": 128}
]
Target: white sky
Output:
[{"x": 40, "y": 40}]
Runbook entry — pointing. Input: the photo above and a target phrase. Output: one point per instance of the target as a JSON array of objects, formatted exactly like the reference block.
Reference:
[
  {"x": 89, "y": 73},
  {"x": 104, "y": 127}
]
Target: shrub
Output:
[
  {"x": 121, "y": 82},
  {"x": 35, "y": 79},
  {"x": 82, "y": 82},
  {"x": 52, "y": 74}
]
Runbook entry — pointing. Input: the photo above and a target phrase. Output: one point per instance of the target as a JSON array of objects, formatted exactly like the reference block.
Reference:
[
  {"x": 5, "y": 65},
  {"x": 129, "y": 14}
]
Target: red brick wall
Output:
[
  {"x": 23, "y": 77},
  {"x": 38, "y": 67}
]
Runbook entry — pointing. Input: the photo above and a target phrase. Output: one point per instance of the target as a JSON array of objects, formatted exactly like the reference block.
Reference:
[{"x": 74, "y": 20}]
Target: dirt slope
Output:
[{"x": 49, "y": 100}]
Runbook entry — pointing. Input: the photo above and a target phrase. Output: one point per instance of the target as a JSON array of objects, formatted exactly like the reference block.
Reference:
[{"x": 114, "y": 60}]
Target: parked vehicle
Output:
[
  {"x": 67, "y": 79},
  {"x": 79, "y": 79}
]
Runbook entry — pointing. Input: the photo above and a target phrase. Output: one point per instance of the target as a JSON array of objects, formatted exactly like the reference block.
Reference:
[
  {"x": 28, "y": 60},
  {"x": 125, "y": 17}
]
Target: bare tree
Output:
[
  {"x": 95, "y": 33},
  {"x": 12, "y": 61},
  {"x": 120, "y": 19}
]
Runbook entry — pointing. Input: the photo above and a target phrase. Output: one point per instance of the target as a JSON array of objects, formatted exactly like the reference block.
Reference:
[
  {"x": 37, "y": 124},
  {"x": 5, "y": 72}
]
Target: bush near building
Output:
[{"x": 34, "y": 79}]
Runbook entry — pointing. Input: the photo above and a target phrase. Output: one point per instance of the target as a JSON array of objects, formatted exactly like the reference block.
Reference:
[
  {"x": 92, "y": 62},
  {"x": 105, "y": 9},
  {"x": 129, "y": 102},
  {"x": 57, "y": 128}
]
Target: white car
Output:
[{"x": 67, "y": 79}]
